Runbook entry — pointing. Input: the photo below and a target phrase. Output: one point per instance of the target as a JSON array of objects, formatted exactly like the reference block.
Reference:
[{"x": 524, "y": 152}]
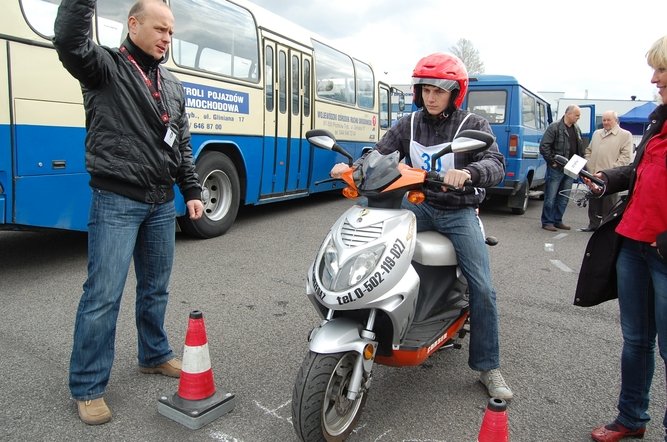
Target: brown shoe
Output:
[
  {"x": 562, "y": 226},
  {"x": 94, "y": 412},
  {"x": 171, "y": 368},
  {"x": 549, "y": 227}
]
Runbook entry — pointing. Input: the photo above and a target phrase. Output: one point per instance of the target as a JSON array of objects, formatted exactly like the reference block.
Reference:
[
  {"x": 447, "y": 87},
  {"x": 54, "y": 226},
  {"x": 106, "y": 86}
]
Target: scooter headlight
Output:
[
  {"x": 362, "y": 265},
  {"x": 338, "y": 276},
  {"x": 330, "y": 265}
]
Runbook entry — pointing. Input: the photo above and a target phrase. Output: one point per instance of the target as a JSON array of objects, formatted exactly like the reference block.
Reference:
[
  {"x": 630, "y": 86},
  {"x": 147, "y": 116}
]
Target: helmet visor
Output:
[{"x": 447, "y": 85}]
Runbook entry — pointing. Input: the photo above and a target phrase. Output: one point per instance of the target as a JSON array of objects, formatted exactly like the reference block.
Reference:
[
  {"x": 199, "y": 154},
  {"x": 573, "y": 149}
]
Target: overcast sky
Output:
[{"x": 593, "y": 47}]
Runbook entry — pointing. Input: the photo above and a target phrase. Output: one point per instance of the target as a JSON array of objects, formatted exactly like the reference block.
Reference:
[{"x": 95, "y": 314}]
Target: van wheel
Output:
[{"x": 519, "y": 203}]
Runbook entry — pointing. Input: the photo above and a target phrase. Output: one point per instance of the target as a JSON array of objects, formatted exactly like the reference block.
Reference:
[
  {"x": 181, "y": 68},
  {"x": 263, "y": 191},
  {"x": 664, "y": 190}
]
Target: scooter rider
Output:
[{"x": 440, "y": 82}]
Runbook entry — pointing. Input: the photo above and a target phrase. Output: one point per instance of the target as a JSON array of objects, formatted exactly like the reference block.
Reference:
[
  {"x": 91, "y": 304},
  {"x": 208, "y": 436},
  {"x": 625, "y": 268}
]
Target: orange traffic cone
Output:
[
  {"x": 495, "y": 426},
  {"x": 197, "y": 402}
]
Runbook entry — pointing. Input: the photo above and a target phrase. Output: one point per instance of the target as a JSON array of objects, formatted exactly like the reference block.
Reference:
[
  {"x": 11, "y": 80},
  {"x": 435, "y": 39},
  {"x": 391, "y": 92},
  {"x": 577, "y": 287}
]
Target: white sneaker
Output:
[{"x": 495, "y": 384}]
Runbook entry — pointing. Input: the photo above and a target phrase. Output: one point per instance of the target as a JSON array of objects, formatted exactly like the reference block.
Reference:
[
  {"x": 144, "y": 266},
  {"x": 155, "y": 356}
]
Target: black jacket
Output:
[
  {"x": 126, "y": 152},
  {"x": 486, "y": 168},
  {"x": 597, "y": 277},
  {"x": 555, "y": 142}
]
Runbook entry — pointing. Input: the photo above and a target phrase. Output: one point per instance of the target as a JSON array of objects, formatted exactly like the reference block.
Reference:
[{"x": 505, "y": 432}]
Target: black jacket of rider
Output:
[
  {"x": 126, "y": 151},
  {"x": 486, "y": 168}
]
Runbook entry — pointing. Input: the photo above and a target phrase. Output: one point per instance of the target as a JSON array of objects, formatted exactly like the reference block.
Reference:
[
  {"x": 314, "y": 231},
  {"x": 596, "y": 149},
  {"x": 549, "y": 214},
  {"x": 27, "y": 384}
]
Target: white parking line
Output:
[{"x": 558, "y": 263}]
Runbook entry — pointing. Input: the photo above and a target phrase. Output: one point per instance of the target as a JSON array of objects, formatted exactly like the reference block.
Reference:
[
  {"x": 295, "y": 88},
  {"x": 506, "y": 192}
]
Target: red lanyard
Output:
[{"x": 155, "y": 93}]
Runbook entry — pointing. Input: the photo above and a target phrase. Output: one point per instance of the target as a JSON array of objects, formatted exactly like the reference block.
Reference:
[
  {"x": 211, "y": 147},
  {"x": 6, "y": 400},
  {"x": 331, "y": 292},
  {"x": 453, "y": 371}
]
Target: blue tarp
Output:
[
  {"x": 636, "y": 119},
  {"x": 638, "y": 114}
]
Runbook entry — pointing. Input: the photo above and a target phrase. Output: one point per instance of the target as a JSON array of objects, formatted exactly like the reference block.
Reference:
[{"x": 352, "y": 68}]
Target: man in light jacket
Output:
[{"x": 610, "y": 147}]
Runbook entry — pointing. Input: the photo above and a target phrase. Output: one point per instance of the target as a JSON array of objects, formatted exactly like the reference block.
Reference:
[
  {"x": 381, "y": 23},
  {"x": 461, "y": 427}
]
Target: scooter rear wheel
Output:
[{"x": 320, "y": 409}]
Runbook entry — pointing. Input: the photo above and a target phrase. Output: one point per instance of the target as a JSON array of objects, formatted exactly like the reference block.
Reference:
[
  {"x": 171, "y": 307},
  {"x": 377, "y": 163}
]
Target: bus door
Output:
[
  {"x": 6, "y": 183},
  {"x": 48, "y": 140},
  {"x": 286, "y": 155}
]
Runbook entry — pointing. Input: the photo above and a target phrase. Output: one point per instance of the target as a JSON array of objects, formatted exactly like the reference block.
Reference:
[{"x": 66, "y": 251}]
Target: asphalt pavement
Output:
[{"x": 561, "y": 361}]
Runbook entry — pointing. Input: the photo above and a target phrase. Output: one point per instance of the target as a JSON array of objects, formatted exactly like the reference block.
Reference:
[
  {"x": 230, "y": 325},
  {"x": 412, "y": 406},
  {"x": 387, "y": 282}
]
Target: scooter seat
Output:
[{"x": 434, "y": 249}]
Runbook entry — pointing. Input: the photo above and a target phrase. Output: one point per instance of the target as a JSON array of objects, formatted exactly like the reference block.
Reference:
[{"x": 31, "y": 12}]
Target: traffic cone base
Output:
[
  {"x": 196, "y": 414},
  {"x": 196, "y": 403}
]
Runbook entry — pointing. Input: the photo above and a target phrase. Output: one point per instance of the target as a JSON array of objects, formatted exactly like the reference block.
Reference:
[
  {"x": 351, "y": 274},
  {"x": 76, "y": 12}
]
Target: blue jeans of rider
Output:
[
  {"x": 120, "y": 229},
  {"x": 462, "y": 227},
  {"x": 555, "y": 202},
  {"x": 642, "y": 300}
]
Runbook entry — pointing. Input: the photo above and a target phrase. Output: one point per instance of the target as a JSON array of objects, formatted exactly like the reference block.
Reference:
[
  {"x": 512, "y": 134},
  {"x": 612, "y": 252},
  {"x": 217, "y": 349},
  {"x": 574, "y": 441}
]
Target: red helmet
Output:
[{"x": 445, "y": 71}]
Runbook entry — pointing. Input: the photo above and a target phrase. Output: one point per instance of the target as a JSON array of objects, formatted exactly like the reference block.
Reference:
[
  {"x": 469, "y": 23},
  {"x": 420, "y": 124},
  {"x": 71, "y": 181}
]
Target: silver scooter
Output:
[{"x": 386, "y": 294}]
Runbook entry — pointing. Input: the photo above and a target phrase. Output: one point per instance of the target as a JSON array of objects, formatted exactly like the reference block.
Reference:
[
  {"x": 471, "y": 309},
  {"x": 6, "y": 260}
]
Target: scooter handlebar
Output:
[
  {"x": 561, "y": 160},
  {"x": 437, "y": 181}
]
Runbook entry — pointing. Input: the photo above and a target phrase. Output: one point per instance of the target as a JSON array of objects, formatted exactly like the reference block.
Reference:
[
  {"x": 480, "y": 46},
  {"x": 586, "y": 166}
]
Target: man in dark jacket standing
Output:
[
  {"x": 137, "y": 148},
  {"x": 561, "y": 138}
]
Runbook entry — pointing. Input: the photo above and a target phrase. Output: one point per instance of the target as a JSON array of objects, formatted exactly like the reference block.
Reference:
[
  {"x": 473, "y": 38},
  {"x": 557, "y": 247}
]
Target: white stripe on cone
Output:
[{"x": 196, "y": 359}]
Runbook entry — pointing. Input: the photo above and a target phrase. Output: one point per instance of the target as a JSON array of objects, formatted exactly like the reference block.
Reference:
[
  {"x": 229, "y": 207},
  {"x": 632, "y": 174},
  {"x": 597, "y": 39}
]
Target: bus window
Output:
[
  {"x": 385, "y": 99},
  {"x": 268, "y": 78},
  {"x": 40, "y": 15},
  {"x": 233, "y": 53},
  {"x": 335, "y": 74},
  {"x": 112, "y": 21},
  {"x": 306, "y": 88},
  {"x": 296, "y": 81},
  {"x": 365, "y": 85},
  {"x": 282, "y": 82}
]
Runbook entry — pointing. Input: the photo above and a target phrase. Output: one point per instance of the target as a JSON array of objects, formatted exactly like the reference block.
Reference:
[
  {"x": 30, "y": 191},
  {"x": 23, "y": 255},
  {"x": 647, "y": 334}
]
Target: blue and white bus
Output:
[{"x": 255, "y": 83}]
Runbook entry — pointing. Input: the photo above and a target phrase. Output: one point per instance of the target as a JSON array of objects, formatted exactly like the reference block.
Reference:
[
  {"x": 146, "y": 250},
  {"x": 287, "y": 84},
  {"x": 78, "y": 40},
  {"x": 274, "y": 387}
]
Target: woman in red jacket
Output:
[{"x": 641, "y": 265}]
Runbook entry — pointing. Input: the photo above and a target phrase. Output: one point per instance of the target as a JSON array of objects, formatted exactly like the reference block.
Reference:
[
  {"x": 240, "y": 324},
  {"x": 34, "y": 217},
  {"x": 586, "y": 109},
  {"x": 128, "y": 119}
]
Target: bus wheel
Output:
[
  {"x": 221, "y": 195},
  {"x": 519, "y": 203}
]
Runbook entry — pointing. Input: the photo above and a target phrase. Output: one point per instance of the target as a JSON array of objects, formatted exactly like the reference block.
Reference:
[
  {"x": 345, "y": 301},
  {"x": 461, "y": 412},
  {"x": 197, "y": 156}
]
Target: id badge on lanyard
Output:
[{"x": 170, "y": 135}]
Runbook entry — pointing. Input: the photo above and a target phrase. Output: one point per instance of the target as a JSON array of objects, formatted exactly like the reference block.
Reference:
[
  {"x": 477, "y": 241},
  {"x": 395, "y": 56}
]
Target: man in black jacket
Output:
[
  {"x": 137, "y": 148},
  {"x": 563, "y": 138}
]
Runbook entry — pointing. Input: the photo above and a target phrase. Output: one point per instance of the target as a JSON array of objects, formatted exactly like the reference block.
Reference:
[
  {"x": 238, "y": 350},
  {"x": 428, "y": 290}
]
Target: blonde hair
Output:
[{"x": 657, "y": 55}]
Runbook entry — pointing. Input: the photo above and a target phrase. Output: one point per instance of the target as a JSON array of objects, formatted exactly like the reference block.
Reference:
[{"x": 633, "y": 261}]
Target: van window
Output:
[
  {"x": 542, "y": 119},
  {"x": 528, "y": 111},
  {"x": 489, "y": 104}
]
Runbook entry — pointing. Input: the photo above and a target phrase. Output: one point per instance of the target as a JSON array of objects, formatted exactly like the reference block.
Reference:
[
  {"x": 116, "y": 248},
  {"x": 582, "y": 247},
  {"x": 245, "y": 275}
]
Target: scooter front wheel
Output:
[{"x": 321, "y": 410}]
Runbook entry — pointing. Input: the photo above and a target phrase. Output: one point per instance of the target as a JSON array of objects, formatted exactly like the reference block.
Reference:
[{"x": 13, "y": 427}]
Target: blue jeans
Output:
[
  {"x": 554, "y": 202},
  {"x": 120, "y": 229},
  {"x": 642, "y": 299},
  {"x": 461, "y": 226}
]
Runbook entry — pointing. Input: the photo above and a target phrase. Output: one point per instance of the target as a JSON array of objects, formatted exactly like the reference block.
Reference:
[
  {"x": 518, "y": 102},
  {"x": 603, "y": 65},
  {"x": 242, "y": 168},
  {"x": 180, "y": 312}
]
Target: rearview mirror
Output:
[
  {"x": 321, "y": 138},
  {"x": 472, "y": 140},
  {"x": 466, "y": 141},
  {"x": 324, "y": 139}
]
